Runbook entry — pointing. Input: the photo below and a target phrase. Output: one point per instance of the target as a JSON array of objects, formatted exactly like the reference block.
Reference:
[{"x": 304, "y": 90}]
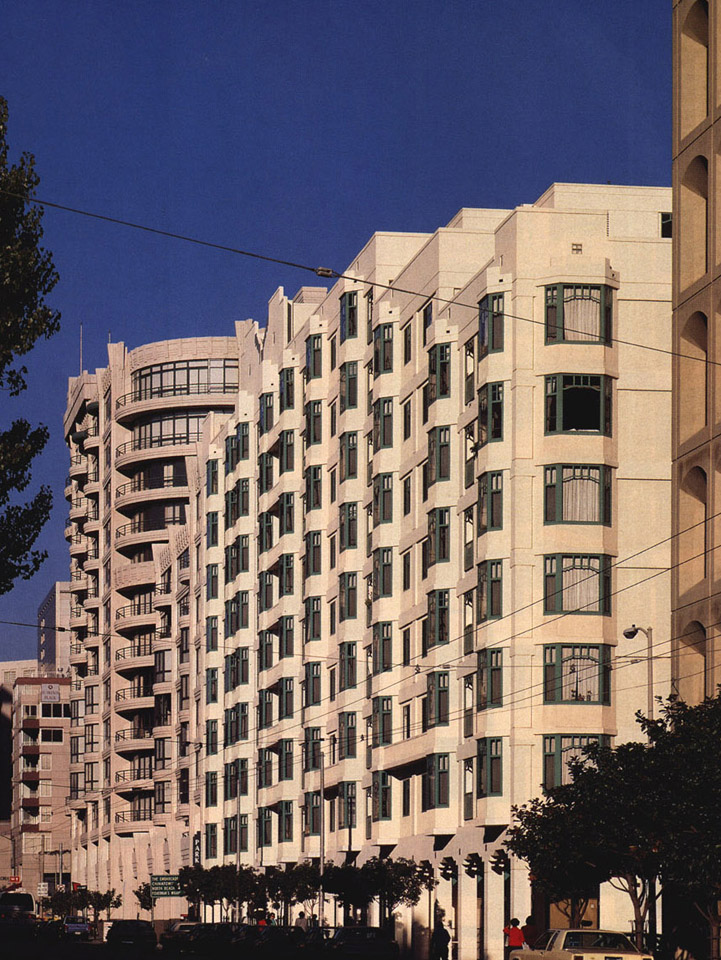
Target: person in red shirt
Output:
[{"x": 514, "y": 936}]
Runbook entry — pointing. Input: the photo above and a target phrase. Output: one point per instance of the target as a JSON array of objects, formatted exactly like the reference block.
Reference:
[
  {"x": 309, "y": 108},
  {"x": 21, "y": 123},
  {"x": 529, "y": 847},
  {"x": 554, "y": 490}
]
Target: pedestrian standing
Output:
[{"x": 514, "y": 936}]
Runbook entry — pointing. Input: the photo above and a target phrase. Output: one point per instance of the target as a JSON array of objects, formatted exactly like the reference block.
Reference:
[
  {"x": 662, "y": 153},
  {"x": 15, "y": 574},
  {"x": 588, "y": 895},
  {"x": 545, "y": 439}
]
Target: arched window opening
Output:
[
  {"x": 693, "y": 229},
  {"x": 691, "y": 664},
  {"x": 692, "y": 540},
  {"x": 693, "y": 102},
  {"x": 693, "y": 381}
]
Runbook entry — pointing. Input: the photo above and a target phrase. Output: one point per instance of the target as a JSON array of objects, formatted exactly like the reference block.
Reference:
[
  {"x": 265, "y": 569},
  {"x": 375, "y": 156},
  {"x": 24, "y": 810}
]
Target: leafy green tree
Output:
[
  {"x": 143, "y": 896},
  {"x": 350, "y": 885},
  {"x": 27, "y": 275},
  {"x": 191, "y": 882},
  {"x": 395, "y": 882}
]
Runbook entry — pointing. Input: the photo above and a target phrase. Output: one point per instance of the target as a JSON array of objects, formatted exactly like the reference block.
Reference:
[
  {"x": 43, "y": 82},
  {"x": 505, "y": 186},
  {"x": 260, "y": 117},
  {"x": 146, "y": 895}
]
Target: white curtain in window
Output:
[
  {"x": 581, "y": 313},
  {"x": 580, "y": 673},
  {"x": 581, "y": 494},
  {"x": 581, "y": 585},
  {"x": 571, "y": 747}
]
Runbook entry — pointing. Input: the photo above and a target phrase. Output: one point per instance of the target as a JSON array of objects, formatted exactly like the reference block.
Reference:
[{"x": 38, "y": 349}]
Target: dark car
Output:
[
  {"x": 206, "y": 938},
  {"x": 76, "y": 928},
  {"x": 17, "y": 916},
  {"x": 350, "y": 942},
  {"x": 136, "y": 935},
  {"x": 177, "y": 933},
  {"x": 279, "y": 943}
]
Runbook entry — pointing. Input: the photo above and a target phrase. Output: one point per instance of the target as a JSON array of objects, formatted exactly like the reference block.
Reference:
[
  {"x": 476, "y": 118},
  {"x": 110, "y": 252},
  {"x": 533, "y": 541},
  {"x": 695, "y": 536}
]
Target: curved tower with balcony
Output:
[{"x": 132, "y": 430}]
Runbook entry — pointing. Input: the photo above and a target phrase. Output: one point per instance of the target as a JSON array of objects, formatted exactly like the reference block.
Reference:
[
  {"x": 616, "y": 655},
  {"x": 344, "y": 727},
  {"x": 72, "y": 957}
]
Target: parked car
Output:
[
  {"x": 136, "y": 935},
  {"x": 76, "y": 928},
  {"x": 350, "y": 942},
  {"x": 278, "y": 943},
  {"x": 581, "y": 945},
  {"x": 177, "y": 933},
  {"x": 17, "y": 916}
]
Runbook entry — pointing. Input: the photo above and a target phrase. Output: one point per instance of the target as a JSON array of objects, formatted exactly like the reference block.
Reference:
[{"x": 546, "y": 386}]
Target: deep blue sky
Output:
[{"x": 295, "y": 129}]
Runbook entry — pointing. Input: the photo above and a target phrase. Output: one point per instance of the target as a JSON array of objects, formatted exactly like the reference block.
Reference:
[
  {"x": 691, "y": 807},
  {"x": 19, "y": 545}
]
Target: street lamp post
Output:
[{"x": 629, "y": 634}]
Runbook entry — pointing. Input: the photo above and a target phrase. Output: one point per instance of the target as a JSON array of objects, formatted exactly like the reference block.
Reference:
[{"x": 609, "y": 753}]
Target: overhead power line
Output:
[{"x": 328, "y": 273}]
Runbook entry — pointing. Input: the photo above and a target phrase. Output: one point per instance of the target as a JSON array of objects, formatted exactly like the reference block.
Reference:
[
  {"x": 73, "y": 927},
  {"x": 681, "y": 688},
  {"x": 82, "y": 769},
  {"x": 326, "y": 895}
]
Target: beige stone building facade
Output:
[
  {"x": 394, "y": 606},
  {"x": 40, "y": 822},
  {"x": 697, "y": 287}
]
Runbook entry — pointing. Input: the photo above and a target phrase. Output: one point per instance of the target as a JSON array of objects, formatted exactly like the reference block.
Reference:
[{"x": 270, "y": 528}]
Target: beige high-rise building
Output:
[
  {"x": 697, "y": 385},
  {"x": 132, "y": 429},
  {"x": 54, "y": 630},
  {"x": 395, "y": 605},
  {"x": 40, "y": 817}
]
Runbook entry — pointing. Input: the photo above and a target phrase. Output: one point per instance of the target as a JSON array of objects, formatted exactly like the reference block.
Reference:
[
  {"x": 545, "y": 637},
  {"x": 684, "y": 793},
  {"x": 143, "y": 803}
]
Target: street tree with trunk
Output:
[{"x": 27, "y": 275}]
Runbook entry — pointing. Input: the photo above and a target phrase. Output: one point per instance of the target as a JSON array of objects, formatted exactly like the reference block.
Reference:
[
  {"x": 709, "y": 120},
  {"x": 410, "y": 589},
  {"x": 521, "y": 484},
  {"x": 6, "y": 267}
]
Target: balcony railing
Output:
[
  {"x": 133, "y": 693},
  {"x": 138, "y": 650},
  {"x": 144, "y": 526},
  {"x": 129, "y": 776},
  {"x": 133, "y": 816},
  {"x": 149, "y": 443},
  {"x": 188, "y": 390},
  {"x": 133, "y": 734},
  {"x": 140, "y": 485},
  {"x": 135, "y": 610}
]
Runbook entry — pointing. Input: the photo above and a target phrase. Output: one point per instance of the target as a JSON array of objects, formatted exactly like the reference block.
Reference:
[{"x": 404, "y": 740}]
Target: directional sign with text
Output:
[{"x": 165, "y": 885}]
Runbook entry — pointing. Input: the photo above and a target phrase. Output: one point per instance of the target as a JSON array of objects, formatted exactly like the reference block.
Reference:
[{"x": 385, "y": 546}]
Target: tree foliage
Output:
[
  {"x": 635, "y": 815},
  {"x": 27, "y": 275},
  {"x": 144, "y": 897}
]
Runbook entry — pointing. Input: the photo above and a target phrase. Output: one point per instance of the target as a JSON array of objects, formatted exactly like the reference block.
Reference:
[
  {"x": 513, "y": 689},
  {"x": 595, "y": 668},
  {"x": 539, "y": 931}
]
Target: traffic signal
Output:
[
  {"x": 500, "y": 862},
  {"x": 449, "y": 868},
  {"x": 473, "y": 865}
]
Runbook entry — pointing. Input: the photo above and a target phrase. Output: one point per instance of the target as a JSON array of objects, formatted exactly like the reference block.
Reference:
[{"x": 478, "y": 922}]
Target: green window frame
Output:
[
  {"x": 285, "y": 759},
  {"x": 577, "y": 583},
  {"x": 265, "y": 413},
  {"x": 489, "y": 682},
  {"x": 312, "y": 621},
  {"x": 313, "y": 488},
  {"x": 435, "y": 785},
  {"x": 490, "y": 501},
  {"x": 439, "y": 455},
  {"x": 286, "y": 705},
  {"x": 286, "y": 637},
  {"x": 383, "y": 349},
  {"x": 439, "y": 372},
  {"x": 211, "y": 581},
  {"x": 559, "y": 748},
  {"x": 346, "y": 804},
  {"x": 381, "y": 807},
  {"x": 348, "y": 386},
  {"x": 211, "y": 841},
  {"x": 348, "y": 321},
  {"x": 490, "y": 324},
  {"x": 577, "y": 493},
  {"x": 437, "y": 698},
  {"x": 439, "y": 535},
  {"x": 311, "y": 748},
  {"x": 347, "y": 596},
  {"x": 382, "y": 498},
  {"x": 490, "y": 590},
  {"x": 383, "y": 423},
  {"x": 286, "y": 460},
  {"x": 382, "y": 572},
  {"x": 577, "y": 673},
  {"x": 382, "y": 721},
  {"x": 211, "y": 477},
  {"x": 286, "y": 514},
  {"x": 286, "y": 389},
  {"x": 347, "y": 735},
  {"x": 437, "y": 624},
  {"x": 348, "y": 455},
  {"x": 490, "y": 413},
  {"x": 313, "y": 565},
  {"x": 211, "y": 634},
  {"x": 312, "y": 694},
  {"x": 579, "y": 313},
  {"x": 313, "y": 422},
  {"x": 347, "y": 666},
  {"x": 348, "y": 526},
  {"x": 382, "y": 646},
  {"x": 578, "y": 403},
  {"x": 489, "y": 767},
  {"x": 314, "y": 357},
  {"x": 286, "y": 564},
  {"x": 285, "y": 821},
  {"x": 211, "y": 685},
  {"x": 265, "y": 826},
  {"x": 211, "y": 788}
]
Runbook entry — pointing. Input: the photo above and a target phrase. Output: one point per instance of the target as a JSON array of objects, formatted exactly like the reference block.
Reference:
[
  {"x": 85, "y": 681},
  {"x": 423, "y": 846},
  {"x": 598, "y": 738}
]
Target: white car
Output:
[{"x": 583, "y": 944}]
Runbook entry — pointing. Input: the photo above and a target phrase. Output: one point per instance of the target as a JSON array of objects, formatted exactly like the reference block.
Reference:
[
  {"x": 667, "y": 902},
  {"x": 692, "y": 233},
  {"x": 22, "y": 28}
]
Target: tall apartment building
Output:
[
  {"x": 10, "y": 670},
  {"x": 40, "y": 824},
  {"x": 132, "y": 430},
  {"x": 696, "y": 291},
  {"x": 54, "y": 630},
  {"x": 396, "y": 605}
]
